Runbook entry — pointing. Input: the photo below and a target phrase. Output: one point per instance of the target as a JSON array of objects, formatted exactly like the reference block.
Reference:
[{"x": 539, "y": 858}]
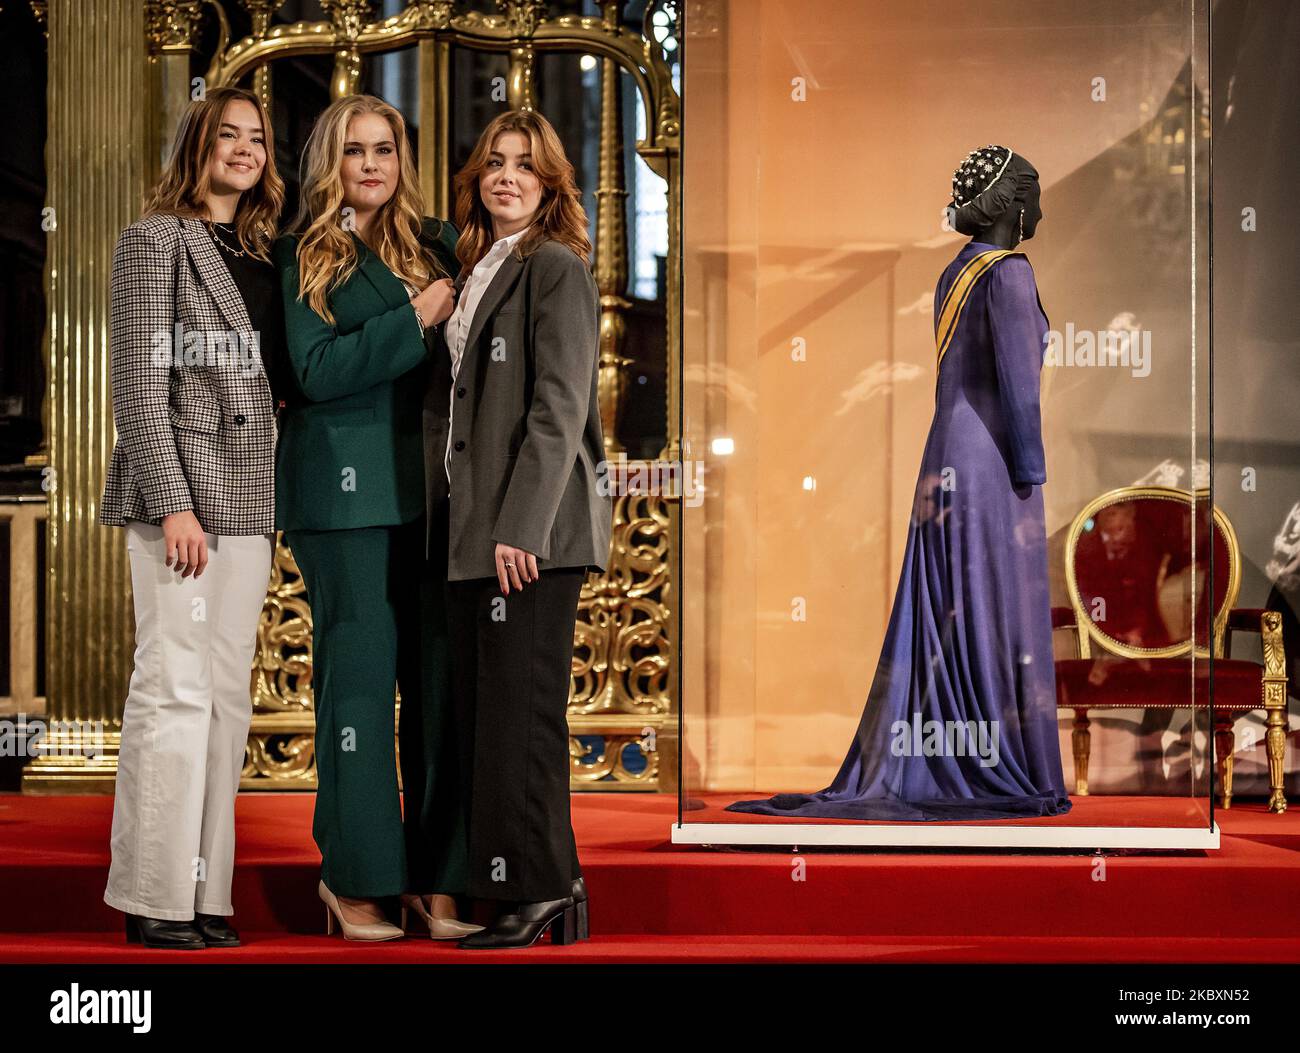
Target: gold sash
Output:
[{"x": 959, "y": 293}]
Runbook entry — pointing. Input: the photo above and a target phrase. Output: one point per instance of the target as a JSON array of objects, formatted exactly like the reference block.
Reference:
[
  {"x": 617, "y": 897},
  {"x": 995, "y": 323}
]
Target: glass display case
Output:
[{"x": 944, "y": 582}]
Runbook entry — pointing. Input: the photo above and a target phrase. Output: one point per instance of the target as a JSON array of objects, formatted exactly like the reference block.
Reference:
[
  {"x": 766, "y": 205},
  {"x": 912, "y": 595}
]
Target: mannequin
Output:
[{"x": 960, "y": 719}]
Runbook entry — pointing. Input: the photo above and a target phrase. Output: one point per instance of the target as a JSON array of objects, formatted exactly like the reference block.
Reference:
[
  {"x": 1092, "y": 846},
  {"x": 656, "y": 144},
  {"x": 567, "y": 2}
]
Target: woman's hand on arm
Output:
[
  {"x": 328, "y": 364},
  {"x": 436, "y": 302}
]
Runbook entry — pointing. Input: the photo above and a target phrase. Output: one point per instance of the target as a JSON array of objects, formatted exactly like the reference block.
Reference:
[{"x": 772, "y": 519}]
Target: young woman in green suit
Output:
[{"x": 365, "y": 276}]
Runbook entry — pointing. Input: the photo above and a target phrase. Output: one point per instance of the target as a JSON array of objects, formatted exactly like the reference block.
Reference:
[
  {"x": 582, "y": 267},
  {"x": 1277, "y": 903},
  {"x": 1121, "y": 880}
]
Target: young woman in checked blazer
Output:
[{"x": 195, "y": 308}]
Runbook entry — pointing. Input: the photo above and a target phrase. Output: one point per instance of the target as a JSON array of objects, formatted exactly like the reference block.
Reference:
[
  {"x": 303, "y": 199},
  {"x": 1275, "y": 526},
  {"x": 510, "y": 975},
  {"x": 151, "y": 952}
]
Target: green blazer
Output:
[{"x": 350, "y": 450}]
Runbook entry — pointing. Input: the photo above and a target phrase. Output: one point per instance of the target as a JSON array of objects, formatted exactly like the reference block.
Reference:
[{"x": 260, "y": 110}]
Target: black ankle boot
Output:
[
  {"x": 162, "y": 934},
  {"x": 215, "y": 930},
  {"x": 579, "y": 894},
  {"x": 522, "y": 926}
]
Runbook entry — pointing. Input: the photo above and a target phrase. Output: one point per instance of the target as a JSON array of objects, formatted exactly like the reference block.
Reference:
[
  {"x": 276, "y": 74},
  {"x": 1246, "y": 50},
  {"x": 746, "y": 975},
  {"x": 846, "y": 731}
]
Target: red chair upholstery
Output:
[{"x": 1137, "y": 572}]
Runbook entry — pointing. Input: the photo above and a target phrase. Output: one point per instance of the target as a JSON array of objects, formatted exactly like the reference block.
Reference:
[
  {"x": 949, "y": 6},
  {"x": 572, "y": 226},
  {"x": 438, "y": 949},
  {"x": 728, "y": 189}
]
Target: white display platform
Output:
[{"x": 928, "y": 835}]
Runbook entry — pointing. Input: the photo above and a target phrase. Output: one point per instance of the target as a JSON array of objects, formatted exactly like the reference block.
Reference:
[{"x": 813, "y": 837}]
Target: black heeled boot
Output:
[
  {"x": 162, "y": 934},
  {"x": 215, "y": 930},
  {"x": 522, "y": 926},
  {"x": 579, "y": 894}
]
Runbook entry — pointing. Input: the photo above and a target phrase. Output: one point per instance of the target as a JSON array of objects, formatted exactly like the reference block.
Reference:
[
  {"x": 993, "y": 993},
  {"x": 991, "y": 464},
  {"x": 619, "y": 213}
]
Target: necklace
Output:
[{"x": 222, "y": 242}]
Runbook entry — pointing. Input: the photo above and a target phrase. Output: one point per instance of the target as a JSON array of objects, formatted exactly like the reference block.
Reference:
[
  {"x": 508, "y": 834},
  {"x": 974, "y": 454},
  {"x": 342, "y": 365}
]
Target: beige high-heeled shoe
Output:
[
  {"x": 378, "y": 930},
  {"x": 440, "y": 926}
]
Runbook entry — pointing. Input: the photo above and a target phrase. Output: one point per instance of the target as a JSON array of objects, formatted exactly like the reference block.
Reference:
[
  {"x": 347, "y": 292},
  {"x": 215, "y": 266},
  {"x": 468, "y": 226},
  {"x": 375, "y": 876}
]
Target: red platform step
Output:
[{"x": 654, "y": 902}]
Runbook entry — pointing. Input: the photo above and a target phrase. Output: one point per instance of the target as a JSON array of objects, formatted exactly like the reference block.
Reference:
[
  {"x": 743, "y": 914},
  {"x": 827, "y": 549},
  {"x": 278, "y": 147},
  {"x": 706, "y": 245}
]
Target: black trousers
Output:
[{"x": 512, "y": 659}]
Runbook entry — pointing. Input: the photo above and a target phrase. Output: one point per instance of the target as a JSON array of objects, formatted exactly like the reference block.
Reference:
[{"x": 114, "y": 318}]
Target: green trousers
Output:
[{"x": 379, "y": 620}]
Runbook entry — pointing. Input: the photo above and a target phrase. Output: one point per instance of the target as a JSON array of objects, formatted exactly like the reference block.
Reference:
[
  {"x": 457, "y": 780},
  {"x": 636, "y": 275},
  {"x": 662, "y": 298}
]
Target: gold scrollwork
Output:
[
  {"x": 622, "y": 660},
  {"x": 282, "y": 669},
  {"x": 607, "y": 764},
  {"x": 279, "y": 758},
  {"x": 624, "y": 640}
]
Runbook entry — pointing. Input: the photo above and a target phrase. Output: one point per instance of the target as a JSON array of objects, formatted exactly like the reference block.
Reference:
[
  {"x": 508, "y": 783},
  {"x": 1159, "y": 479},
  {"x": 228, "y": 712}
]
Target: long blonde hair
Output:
[
  {"x": 559, "y": 215},
  {"x": 182, "y": 188},
  {"x": 327, "y": 255}
]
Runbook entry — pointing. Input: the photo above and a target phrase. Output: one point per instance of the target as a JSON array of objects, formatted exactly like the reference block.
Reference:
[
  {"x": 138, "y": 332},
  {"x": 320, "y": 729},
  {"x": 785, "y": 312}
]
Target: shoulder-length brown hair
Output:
[
  {"x": 327, "y": 255},
  {"x": 559, "y": 215},
  {"x": 183, "y": 187}
]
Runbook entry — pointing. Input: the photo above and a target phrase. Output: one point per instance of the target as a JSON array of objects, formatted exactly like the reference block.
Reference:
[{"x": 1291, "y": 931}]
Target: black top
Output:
[{"x": 259, "y": 286}]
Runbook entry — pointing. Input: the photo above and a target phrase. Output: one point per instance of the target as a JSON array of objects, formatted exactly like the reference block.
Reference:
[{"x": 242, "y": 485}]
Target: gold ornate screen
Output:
[{"x": 623, "y": 695}]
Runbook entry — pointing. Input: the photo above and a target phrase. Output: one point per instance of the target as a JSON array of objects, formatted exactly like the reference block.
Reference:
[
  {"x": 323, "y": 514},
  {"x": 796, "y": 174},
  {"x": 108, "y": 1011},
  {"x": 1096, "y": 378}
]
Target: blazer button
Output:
[
  {"x": 460, "y": 393},
  {"x": 460, "y": 445},
  {"x": 240, "y": 419}
]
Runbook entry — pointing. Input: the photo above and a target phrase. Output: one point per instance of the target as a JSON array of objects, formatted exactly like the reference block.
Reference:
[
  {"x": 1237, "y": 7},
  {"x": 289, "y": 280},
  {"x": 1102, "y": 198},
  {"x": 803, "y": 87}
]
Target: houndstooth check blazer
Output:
[{"x": 191, "y": 401}]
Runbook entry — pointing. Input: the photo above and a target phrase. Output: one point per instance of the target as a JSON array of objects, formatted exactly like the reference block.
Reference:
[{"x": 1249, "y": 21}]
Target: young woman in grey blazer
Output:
[
  {"x": 513, "y": 446},
  {"x": 195, "y": 308}
]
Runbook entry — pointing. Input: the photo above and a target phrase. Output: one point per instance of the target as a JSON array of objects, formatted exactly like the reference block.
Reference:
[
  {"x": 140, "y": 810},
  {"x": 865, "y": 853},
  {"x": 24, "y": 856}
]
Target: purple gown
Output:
[{"x": 960, "y": 721}]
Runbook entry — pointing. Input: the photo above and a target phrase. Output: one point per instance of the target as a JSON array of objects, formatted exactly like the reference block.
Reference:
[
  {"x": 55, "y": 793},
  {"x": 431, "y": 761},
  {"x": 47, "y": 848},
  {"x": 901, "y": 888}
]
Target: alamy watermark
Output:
[
  {"x": 946, "y": 738},
  {"x": 73, "y": 1005},
  {"x": 1122, "y": 346},
  {"x": 21, "y": 736},
  {"x": 620, "y": 477},
  {"x": 211, "y": 348}
]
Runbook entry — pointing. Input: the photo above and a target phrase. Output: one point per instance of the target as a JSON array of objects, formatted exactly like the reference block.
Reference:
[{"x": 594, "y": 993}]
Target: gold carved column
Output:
[
  {"x": 98, "y": 113},
  {"x": 170, "y": 27},
  {"x": 260, "y": 12}
]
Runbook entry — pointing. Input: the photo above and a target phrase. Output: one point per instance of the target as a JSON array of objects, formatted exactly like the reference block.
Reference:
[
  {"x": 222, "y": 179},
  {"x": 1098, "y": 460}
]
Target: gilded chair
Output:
[{"x": 1136, "y": 571}]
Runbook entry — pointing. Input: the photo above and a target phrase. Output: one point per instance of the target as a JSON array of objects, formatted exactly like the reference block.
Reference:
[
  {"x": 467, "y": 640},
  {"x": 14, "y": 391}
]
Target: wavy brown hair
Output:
[
  {"x": 183, "y": 187},
  {"x": 327, "y": 254},
  {"x": 559, "y": 215}
]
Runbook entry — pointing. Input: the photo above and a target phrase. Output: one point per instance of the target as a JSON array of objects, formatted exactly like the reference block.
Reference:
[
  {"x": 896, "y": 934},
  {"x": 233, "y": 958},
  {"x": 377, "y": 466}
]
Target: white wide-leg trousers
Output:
[{"x": 185, "y": 726}]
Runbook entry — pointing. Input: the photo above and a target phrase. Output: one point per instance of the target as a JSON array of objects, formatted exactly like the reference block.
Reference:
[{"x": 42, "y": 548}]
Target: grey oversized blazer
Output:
[{"x": 527, "y": 457}]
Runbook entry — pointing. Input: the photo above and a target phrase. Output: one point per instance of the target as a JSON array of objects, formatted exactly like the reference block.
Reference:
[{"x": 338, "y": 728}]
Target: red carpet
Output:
[{"x": 652, "y": 902}]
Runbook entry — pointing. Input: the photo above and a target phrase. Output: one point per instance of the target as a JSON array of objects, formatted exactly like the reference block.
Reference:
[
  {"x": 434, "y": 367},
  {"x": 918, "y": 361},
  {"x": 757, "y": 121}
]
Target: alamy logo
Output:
[
  {"x": 76, "y": 1006},
  {"x": 946, "y": 738},
  {"x": 1123, "y": 346},
  {"x": 210, "y": 348},
  {"x": 22, "y": 736}
]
